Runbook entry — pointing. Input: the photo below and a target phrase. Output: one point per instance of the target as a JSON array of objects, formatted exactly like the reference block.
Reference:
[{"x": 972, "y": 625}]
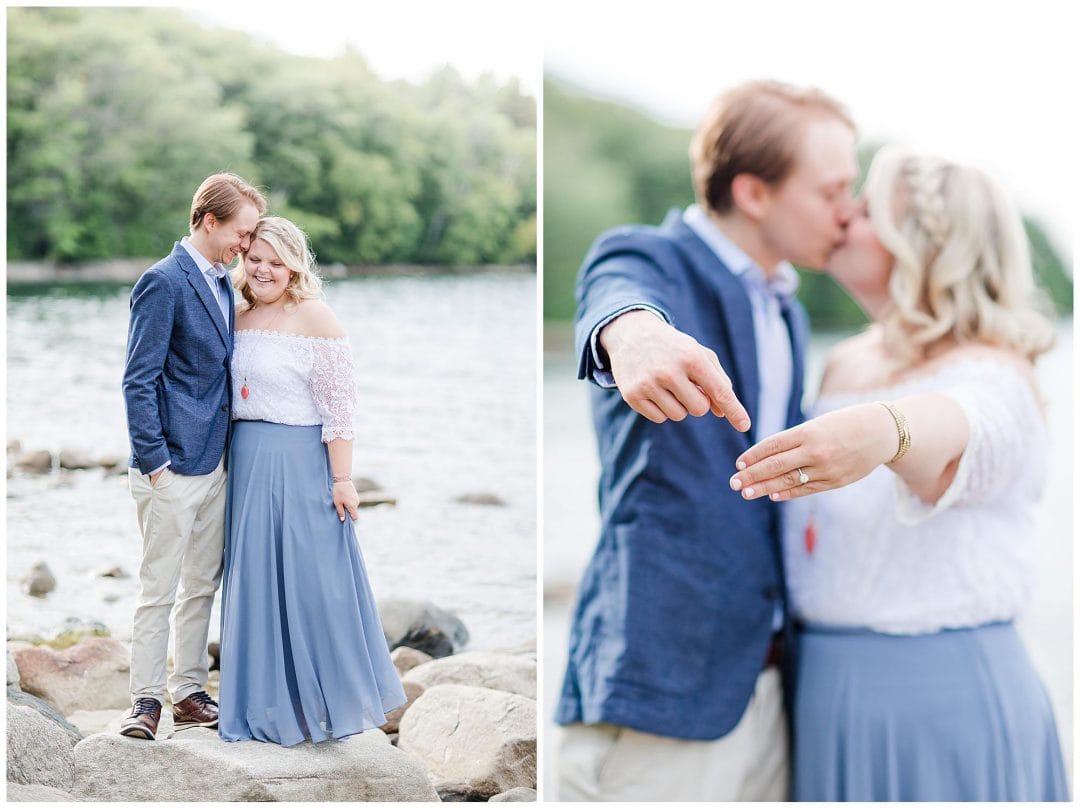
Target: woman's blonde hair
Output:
[
  {"x": 962, "y": 265},
  {"x": 291, "y": 245}
]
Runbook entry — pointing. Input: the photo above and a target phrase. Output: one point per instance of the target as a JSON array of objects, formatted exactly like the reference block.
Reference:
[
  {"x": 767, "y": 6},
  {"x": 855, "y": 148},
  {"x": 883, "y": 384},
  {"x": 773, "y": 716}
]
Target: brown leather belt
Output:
[{"x": 773, "y": 655}]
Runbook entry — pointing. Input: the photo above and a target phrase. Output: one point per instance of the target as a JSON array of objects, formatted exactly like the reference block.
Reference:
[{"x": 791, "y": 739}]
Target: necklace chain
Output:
[{"x": 245, "y": 391}]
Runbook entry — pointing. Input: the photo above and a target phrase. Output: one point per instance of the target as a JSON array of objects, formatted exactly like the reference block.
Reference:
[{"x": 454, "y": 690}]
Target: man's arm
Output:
[
  {"x": 149, "y": 333},
  {"x": 660, "y": 372},
  {"x": 664, "y": 374}
]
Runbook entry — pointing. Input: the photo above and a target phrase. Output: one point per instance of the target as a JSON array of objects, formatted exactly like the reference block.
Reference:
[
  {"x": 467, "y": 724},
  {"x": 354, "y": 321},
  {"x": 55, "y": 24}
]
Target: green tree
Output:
[{"x": 116, "y": 114}]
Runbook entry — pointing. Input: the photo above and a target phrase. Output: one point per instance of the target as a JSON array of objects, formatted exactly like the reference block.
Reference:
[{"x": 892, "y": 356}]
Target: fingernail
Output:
[
  {"x": 774, "y": 496},
  {"x": 740, "y": 465},
  {"x": 736, "y": 483},
  {"x": 749, "y": 491}
]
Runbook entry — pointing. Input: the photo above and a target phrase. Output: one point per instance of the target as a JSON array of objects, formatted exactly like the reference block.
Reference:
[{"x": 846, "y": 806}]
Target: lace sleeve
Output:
[
  {"x": 1007, "y": 445},
  {"x": 333, "y": 388}
]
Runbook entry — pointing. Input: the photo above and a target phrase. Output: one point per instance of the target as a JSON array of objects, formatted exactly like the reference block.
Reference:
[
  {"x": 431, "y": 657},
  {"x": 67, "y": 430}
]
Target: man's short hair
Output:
[
  {"x": 753, "y": 128},
  {"x": 222, "y": 195}
]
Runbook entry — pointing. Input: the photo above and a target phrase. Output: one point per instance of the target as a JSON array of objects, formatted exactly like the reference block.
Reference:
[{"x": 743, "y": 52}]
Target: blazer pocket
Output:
[{"x": 671, "y": 604}]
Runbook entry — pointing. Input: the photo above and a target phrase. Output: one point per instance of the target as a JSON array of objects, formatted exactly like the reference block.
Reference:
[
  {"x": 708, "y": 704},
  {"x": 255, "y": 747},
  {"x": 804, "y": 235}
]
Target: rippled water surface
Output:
[{"x": 447, "y": 383}]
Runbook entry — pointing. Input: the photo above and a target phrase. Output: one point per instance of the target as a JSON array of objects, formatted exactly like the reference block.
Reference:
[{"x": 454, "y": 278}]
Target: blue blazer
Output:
[
  {"x": 674, "y": 613},
  {"x": 177, "y": 385}
]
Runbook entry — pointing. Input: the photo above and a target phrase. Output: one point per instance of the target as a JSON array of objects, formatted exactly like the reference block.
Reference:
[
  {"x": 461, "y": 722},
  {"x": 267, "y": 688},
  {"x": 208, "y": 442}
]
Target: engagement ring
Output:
[{"x": 803, "y": 477}]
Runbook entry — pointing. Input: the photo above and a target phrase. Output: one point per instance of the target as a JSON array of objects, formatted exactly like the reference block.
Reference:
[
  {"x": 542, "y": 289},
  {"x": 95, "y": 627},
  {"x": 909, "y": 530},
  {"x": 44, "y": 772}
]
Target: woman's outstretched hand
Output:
[
  {"x": 346, "y": 499},
  {"x": 830, "y": 451}
]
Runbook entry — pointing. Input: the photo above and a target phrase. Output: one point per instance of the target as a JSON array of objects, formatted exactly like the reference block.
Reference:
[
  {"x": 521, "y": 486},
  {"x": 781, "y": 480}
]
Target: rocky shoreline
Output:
[
  {"x": 128, "y": 270},
  {"x": 467, "y": 732}
]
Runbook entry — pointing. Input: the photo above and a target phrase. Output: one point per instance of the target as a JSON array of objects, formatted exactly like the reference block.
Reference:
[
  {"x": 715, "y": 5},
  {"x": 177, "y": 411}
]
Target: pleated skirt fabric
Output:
[
  {"x": 303, "y": 654},
  {"x": 959, "y": 715}
]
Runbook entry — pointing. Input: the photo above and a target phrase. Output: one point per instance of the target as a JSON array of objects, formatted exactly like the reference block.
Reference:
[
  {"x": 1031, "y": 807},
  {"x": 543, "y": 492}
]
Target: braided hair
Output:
[{"x": 962, "y": 265}]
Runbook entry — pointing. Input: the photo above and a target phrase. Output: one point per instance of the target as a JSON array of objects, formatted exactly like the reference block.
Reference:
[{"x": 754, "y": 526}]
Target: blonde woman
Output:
[
  {"x": 302, "y": 650},
  {"x": 931, "y": 446}
]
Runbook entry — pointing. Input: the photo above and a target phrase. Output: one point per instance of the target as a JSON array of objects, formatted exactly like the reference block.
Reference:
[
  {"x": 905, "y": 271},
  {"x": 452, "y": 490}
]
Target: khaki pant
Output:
[
  {"x": 606, "y": 762},
  {"x": 182, "y": 520}
]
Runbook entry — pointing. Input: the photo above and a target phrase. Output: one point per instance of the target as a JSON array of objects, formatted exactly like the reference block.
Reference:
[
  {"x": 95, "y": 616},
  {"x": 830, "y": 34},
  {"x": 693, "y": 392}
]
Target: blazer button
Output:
[
  {"x": 772, "y": 593},
  {"x": 224, "y": 407}
]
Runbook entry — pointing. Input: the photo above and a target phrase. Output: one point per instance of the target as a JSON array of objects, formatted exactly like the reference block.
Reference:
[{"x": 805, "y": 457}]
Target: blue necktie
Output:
[{"x": 225, "y": 297}]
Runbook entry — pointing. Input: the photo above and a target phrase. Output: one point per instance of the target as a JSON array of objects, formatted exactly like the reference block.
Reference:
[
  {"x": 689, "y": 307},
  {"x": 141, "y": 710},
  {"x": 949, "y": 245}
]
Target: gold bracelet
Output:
[{"x": 901, "y": 428}]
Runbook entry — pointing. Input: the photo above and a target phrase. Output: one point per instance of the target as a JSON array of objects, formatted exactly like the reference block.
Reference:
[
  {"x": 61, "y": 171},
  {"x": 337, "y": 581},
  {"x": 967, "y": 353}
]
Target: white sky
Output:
[
  {"x": 400, "y": 40},
  {"x": 969, "y": 80},
  {"x": 991, "y": 83}
]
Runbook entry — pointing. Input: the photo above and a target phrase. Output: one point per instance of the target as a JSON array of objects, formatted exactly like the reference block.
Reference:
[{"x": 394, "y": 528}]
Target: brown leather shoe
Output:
[
  {"x": 142, "y": 721},
  {"x": 197, "y": 710}
]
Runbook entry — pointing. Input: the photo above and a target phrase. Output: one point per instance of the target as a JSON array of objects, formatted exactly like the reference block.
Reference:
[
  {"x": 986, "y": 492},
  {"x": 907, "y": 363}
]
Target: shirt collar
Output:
[
  {"x": 785, "y": 280},
  {"x": 204, "y": 265}
]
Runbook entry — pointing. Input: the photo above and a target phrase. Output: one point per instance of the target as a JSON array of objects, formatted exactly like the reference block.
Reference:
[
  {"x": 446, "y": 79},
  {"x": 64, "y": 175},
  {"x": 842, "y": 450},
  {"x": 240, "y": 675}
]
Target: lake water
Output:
[
  {"x": 571, "y": 524},
  {"x": 447, "y": 383}
]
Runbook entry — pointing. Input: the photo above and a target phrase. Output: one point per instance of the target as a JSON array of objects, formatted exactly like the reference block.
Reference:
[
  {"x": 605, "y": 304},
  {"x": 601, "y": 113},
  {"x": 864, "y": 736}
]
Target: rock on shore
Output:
[
  {"x": 480, "y": 738},
  {"x": 467, "y": 732},
  {"x": 421, "y": 625},
  {"x": 39, "y": 752},
  {"x": 405, "y": 658},
  {"x": 17, "y": 792},
  {"x": 195, "y": 763},
  {"x": 39, "y": 581},
  {"x": 513, "y": 674},
  {"x": 92, "y": 673}
]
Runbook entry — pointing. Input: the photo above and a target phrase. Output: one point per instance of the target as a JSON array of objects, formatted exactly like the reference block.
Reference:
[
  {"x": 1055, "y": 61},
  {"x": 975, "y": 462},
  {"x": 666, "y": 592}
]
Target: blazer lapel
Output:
[
  {"x": 737, "y": 315},
  {"x": 202, "y": 289}
]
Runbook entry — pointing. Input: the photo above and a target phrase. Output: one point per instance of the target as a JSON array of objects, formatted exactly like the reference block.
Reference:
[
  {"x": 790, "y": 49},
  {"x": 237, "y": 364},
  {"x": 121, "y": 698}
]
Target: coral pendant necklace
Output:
[
  {"x": 810, "y": 533},
  {"x": 245, "y": 391}
]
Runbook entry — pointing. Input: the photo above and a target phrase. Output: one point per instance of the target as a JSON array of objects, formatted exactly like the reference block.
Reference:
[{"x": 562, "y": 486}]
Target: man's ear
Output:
[
  {"x": 750, "y": 194},
  {"x": 209, "y": 221}
]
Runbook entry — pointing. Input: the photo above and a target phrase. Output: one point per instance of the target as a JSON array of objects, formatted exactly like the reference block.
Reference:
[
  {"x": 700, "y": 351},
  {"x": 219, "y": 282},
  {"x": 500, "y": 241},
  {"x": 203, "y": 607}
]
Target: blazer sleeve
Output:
[
  {"x": 153, "y": 310},
  {"x": 611, "y": 282}
]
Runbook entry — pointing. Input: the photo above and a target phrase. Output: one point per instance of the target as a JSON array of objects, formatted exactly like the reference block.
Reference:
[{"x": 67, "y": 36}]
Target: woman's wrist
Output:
[
  {"x": 898, "y": 431},
  {"x": 342, "y": 478}
]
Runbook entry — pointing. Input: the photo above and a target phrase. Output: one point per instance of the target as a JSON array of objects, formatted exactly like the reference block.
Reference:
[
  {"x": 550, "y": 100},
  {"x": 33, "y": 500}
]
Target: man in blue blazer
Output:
[
  {"x": 672, "y": 691},
  {"x": 178, "y": 395}
]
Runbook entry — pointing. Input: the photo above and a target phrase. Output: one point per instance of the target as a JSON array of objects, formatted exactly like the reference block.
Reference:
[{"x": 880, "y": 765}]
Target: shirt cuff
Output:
[
  {"x": 602, "y": 375},
  {"x": 159, "y": 468}
]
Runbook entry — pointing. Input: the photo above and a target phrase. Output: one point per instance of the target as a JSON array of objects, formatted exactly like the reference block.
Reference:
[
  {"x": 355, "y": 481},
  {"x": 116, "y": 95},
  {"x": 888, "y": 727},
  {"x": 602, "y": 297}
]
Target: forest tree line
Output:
[{"x": 116, "y": 114}]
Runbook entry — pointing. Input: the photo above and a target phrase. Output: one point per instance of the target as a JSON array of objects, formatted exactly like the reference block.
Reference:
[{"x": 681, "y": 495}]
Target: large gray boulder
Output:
[
  {"x": 17, "y": 792},
  {"x": 421, "y": 625},
  {"x": 196, "y": 765},
  {"x": 483, "y": 739},
  {"x": 38, "y": 751},
  {"x": 514, "y": 674},
  {"x": 17, "y": 698},
  {"x": 90, "y": 675}
]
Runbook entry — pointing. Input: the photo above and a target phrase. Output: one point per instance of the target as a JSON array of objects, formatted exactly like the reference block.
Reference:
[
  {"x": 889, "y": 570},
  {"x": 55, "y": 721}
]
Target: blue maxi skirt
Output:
[
  {"x": 959, "y": 715},
  {"x": 303, "y": 654}
]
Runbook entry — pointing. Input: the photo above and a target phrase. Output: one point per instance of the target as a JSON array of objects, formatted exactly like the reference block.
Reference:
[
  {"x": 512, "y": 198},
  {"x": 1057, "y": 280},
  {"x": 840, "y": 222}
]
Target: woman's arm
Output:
[
  {"x": 843, "y": 446},
  {"x": 345, "y": 496}
]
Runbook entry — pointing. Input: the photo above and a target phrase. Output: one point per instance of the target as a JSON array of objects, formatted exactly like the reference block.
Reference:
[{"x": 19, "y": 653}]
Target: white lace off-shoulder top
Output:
[
  {"x": 885, "y": 560},
  {"x": 296, "y": 380}
]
